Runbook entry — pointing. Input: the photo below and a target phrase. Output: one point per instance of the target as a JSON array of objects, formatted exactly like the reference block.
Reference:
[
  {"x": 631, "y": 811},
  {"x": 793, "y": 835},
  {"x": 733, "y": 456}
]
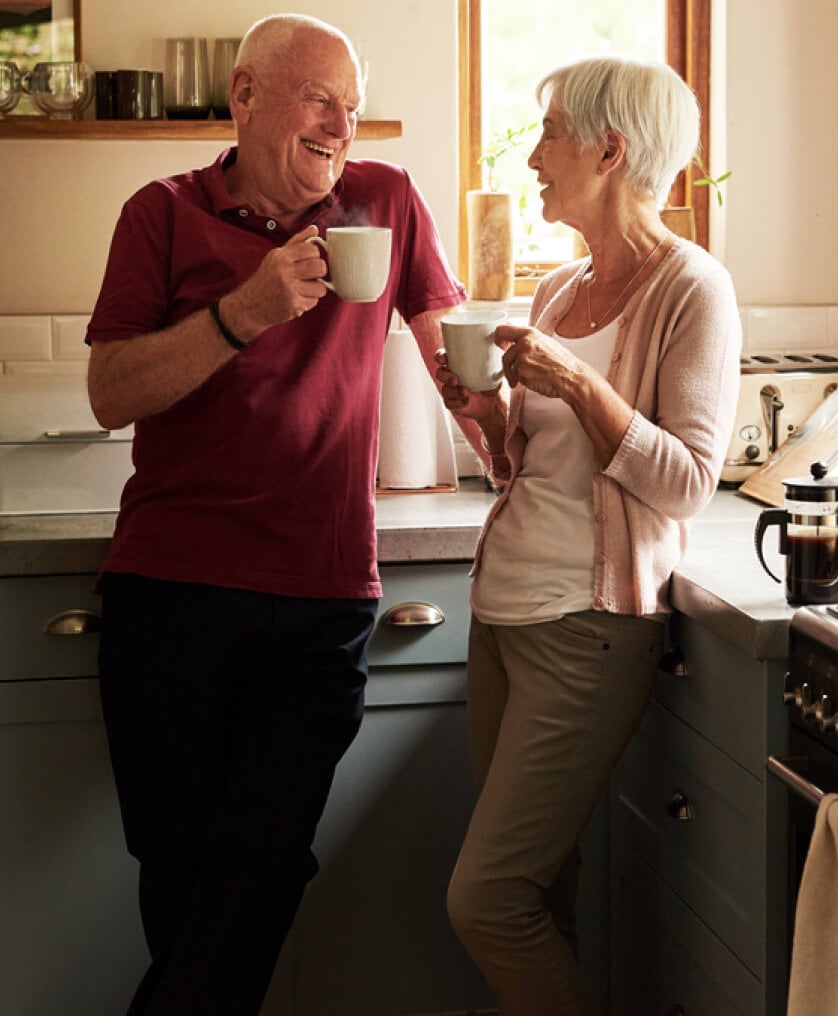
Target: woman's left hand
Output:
[{"x": 538, "y": 362}]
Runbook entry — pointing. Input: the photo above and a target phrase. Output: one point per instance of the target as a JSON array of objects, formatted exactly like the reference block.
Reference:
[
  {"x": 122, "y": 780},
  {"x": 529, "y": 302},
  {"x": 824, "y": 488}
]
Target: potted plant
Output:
[
  {"x": 489, "y": 217},
  {"x": 681, "y": 219}
]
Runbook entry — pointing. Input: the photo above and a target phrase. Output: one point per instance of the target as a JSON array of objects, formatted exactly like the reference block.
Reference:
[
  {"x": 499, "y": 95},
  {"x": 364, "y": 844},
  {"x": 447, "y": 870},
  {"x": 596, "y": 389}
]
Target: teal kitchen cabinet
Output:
[
  {"x": 698, "y": 839},
  {"x": 69, "y": 921}
]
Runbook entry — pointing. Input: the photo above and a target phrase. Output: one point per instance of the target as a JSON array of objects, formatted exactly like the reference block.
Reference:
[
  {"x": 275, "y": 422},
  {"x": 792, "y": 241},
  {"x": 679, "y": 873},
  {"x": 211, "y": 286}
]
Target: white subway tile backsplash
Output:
[
  {"x": 68, "y": 331},
  {"x": 25, "y": 337},
  {"x": 784, "y": 328},
  {"x": 833, "y": 326},
  {"x": 41, "y": 344},
  {"x": 52, "y": 368}
]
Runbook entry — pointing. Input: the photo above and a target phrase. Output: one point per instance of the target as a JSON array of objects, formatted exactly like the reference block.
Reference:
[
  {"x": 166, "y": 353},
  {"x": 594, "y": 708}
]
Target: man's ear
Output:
[{"x": 242, "y": 94}]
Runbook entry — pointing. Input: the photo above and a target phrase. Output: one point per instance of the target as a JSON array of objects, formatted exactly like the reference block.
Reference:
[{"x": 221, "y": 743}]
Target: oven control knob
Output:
[
  {"x": 790, "y": 692},
  {"x": 804, "y": 702},
  {"x": 752, "y": 452},
  {"x": 824, "y": 715}
]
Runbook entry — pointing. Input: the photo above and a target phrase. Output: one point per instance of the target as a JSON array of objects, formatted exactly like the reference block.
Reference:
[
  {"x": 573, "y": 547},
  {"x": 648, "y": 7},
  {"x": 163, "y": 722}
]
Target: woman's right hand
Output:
[{"x": 460, "y": 400}]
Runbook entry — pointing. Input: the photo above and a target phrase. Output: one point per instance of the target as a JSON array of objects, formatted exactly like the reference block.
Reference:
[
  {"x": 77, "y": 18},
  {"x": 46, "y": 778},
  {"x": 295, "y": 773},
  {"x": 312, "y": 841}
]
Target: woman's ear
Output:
[{"x": 612, "y": 153}]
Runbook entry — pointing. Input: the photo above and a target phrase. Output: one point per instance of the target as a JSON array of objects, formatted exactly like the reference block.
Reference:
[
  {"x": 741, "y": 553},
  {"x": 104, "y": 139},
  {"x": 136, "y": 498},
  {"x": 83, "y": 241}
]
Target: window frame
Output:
[{"x": 687, "y": 51}]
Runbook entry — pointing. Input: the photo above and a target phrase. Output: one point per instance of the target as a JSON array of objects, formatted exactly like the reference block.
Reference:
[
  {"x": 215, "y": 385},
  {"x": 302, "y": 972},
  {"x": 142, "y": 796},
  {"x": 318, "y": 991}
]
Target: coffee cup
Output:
[
  {"x": 359, "y": 261},
  {"x": 469, "y": 338}
]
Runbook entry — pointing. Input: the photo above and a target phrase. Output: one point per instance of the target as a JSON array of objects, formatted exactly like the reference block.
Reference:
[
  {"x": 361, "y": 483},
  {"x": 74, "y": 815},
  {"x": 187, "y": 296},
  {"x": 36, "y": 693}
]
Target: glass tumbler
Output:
[
  {"x": 9, "y": 86},
  {"x": 223, "y": 62},
  {"x": 186, "y": 84},
  {"x": 62, "y": 88}
]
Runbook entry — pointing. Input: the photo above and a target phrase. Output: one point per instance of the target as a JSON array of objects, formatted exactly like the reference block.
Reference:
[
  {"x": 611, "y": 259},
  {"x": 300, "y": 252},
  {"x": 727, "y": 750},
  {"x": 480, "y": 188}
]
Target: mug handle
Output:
[
  {"x": 771, "y": 517},
  {"x": 325, "y": 246}
]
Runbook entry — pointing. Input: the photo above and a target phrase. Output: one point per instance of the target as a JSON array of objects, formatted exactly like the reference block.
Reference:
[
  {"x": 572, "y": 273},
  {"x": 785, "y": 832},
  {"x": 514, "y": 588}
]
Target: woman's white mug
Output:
[
  {"x": 469, "y": 338},
  {"x": 359, "y": 261}
]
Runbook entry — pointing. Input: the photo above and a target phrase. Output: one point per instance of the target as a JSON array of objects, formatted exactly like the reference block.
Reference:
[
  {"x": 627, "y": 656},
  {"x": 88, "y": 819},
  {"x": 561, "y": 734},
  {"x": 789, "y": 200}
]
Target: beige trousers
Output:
[{"x": 551, "y": 707}]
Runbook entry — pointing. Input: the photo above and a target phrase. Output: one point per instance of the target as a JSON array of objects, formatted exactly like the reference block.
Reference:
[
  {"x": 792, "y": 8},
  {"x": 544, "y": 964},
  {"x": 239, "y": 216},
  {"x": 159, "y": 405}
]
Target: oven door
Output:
[{"x": 808, "y": 772}]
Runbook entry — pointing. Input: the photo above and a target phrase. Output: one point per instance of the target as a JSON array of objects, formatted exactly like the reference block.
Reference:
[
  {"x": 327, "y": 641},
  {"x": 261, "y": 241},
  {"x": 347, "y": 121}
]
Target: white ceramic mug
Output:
[
  {"x": 472, "y": 354},
  {"x": 359, "y": 261}
]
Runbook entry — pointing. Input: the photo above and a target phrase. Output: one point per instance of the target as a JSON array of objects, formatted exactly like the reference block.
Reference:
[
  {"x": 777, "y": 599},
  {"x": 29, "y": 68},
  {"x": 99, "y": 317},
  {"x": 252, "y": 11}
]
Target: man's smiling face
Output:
[{"x": 304, "y": 120}]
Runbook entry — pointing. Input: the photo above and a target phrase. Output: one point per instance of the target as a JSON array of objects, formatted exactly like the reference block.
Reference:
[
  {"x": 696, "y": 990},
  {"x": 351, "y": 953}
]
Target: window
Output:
[{"x": 521, "y": 40}]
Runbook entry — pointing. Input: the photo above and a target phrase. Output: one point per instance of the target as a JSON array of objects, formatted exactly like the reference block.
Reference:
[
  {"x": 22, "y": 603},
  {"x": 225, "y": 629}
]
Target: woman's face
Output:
[{"x": 566, "y": 171}]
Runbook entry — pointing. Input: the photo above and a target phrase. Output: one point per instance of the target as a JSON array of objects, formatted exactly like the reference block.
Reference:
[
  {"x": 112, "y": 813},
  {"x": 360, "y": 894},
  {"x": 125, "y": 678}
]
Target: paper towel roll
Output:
[{"x": 416, "y": 449}]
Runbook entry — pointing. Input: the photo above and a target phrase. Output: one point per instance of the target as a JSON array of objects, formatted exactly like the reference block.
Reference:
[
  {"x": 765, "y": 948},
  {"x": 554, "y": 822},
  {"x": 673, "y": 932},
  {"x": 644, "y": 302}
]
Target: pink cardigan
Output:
[{"x": 676, "y": 361}]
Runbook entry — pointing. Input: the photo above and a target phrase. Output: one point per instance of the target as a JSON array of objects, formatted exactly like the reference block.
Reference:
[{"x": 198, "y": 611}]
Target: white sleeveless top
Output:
[{"x": 538, "y": 554}]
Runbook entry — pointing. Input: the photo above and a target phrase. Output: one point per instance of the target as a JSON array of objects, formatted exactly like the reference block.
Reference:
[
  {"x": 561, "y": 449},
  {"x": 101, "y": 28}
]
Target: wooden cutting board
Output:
[{"x": 816, "y": 440}]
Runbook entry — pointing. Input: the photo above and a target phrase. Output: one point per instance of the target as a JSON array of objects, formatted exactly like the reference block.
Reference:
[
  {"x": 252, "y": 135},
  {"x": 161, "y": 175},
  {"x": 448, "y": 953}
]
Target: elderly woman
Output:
[{"x": 622, "y": 399}]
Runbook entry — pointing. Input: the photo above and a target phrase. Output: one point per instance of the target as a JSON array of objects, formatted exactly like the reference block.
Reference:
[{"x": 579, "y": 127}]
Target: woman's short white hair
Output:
[{"x": 645, "y": 101}]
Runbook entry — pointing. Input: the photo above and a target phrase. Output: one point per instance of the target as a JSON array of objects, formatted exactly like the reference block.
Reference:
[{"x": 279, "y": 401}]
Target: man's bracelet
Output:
[{"x": 234, "y": 341}]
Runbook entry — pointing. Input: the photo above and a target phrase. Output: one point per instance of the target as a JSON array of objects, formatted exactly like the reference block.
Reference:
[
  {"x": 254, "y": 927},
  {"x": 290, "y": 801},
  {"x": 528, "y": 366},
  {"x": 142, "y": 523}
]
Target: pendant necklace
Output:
[{"x": 625, "y": 288}]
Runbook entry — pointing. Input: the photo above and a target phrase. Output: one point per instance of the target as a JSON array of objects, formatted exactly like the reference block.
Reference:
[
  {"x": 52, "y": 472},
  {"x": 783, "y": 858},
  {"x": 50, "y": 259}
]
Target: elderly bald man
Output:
[{"x": 241, "y": 584}]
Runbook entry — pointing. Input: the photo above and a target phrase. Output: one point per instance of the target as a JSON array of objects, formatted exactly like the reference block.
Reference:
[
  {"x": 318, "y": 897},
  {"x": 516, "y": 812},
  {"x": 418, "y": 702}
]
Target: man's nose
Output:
[{"x": 341, "y": 121}]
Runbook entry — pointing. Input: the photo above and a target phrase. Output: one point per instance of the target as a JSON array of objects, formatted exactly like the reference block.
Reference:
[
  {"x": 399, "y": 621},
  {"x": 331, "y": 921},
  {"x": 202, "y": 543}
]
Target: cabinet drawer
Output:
[
  {"x": 714, "y": 859},
  {"x": 722, "y": 688},
  {"x": 446, "y": 586},
  {"x": 664, "y": 959},
  {"x": 27, "y": 650}
]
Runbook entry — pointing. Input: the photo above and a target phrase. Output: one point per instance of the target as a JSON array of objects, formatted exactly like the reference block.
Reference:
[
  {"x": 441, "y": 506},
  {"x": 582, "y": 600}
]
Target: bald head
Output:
[{"x": 268, "y": 43}]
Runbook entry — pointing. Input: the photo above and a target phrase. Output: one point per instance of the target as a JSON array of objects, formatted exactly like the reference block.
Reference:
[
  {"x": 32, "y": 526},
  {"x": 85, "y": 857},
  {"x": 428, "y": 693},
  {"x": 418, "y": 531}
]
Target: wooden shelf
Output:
[{"x": 34, "y": 128}]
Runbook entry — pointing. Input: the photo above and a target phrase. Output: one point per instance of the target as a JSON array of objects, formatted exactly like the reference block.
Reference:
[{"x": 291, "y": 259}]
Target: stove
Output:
[
  {"x": 811, "y": 695},
  {"x": 812, "y": 679},
  {"x": 809, "y": 771}
]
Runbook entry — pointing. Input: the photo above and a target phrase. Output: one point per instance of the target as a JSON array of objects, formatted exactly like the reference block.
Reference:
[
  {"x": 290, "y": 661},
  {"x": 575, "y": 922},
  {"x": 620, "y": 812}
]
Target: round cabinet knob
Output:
[
  {"x": 74, "y": 622},
  {"x": 679, "y": 807},
  {"x": 415, "y": 614}
]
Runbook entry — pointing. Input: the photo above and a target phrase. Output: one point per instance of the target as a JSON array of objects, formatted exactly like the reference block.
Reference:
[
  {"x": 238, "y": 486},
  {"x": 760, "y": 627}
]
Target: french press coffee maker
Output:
[{"x": 808, "y": 536}]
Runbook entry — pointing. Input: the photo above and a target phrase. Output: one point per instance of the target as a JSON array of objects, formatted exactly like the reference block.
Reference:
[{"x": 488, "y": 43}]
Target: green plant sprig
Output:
[
  {"x": 710, "y": 181},
  {"x": 501, "y": 142}
]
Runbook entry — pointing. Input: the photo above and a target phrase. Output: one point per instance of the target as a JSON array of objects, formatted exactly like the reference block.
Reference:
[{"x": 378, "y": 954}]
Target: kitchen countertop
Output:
[{"x": 719, "y": 583}]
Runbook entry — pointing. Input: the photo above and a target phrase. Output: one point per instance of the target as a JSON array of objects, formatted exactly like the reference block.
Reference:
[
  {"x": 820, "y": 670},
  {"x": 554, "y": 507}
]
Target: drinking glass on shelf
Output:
[
  {"x": 9, "y": 86},
  {"x": 223, "y": 61},
  {"x": 186, "y": 83},
  {"x": 62, "y": 89}
]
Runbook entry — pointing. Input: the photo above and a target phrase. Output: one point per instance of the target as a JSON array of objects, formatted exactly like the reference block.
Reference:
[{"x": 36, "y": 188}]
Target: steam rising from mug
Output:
[{"x": 359, "y": 261}]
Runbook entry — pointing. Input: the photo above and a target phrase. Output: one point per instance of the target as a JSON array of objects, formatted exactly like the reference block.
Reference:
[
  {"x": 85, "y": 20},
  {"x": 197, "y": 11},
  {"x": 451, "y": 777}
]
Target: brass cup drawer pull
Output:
[
  {"x": 413, "y": 614},
  {"x": 679, "y": 807},
  {"x": 74, "y": 622},
  {"x": 674, "y": 663}
]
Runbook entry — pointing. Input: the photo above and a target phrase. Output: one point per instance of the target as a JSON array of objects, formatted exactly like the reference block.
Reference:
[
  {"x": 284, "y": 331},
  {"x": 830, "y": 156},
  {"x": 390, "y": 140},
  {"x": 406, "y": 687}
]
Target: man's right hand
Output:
[{"x": 285, "y": 285}]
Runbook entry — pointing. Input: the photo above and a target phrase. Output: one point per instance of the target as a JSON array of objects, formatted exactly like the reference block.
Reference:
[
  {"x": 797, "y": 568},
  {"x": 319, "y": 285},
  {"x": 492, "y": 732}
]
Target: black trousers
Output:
[{"x": 227, "y": 712}]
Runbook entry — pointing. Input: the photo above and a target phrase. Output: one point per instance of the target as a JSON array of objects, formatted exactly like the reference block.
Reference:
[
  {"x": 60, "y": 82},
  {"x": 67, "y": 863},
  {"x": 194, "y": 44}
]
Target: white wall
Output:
[
  {"x": 782, "y": 145},
  {"x": 59, "y": 199}
]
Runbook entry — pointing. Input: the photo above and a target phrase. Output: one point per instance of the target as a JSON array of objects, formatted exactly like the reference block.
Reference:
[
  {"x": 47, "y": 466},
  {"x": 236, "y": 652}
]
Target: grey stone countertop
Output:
[{"x": 719, "y": 583}]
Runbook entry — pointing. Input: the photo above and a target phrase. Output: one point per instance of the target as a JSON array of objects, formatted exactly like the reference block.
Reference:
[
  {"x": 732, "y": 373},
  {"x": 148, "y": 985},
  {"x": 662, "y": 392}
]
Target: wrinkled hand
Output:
[
  {"x": 461, "y": 400},
  {"x": 285, "y": 285},
  {"x": 538, "y": 361}
]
